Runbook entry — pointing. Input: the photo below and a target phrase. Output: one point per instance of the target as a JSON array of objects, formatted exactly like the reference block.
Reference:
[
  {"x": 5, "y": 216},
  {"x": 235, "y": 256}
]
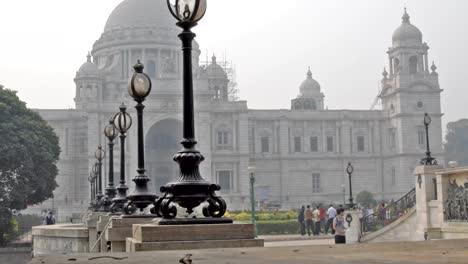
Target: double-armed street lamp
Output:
[
  {"x": 111, "y": 133},
  {"x": 139, "y": 88},
  {"x": 190, "y": 189},
  {"x": 122, "y": 122},
  {"x": 99, "y": 155},
  {"x": 350, "y": 170},
  {"x": 428, "y": 160}
]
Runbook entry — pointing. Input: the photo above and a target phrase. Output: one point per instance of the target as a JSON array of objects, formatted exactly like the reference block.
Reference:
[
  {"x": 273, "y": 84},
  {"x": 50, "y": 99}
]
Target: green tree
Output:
[
  {"x": 366, "y": 198},
  {"x": 456, "y": 145},
  {"x": 29, "y": 152}
]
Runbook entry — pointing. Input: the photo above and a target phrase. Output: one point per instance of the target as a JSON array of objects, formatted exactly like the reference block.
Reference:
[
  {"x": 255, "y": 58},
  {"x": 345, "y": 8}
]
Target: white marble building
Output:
[{"x": 300, "y": 154}]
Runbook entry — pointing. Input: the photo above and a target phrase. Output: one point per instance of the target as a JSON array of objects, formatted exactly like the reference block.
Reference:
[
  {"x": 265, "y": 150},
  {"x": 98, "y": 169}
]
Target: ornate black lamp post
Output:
[
  {"x": 190, "y": 189},
  {"x": 122, "y": 122},
  {"x": 111, "y": 133},
  {"x": 99, "y": 154},
  {"x": 139, "y": 88},
  {"x": 428, "y": 160},
  {"x": 95, "y": 171},
  {"x": 350, "y": 170},
  {"x": 91, "y": 180}
]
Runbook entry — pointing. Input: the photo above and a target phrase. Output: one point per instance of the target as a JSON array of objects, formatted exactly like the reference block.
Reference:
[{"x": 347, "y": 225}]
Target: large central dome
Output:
[{"x": 140, "y": 13}]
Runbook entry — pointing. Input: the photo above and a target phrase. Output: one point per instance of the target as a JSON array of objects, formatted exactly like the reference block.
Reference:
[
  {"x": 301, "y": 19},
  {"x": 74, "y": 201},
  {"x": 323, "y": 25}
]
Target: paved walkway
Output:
[
  {"x": 426, "y": 252},
  {"x": 269, "y": 238}
]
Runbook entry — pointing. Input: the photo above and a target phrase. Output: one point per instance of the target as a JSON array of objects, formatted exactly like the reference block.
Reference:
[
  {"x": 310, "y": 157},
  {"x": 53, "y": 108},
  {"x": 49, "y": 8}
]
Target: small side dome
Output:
[
  {"x": 88, "y": 68},
  {"x": 214, "y": 70},
  {"x": 407, "y": 33},
  {"x": 309, "y": 87}
]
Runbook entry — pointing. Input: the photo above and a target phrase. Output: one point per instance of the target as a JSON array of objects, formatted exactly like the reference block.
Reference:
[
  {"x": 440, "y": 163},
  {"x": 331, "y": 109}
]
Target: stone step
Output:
[
  {"x": 133, "y": 245},
  {"x": 164, "y": 233}
]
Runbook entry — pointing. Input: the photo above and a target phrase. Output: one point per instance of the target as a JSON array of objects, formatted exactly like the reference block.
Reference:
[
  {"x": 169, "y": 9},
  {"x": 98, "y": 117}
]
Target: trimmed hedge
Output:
[{"x": 278, "y": 227}]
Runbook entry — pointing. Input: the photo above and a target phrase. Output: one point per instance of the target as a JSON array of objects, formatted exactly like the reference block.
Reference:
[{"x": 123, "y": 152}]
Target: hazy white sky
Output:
[{"x": 272, "y": 43}]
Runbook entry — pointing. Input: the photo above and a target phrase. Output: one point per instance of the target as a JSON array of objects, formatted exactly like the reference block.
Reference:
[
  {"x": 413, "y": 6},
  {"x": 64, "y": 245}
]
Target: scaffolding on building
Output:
[{"x": 230, "y": 69}]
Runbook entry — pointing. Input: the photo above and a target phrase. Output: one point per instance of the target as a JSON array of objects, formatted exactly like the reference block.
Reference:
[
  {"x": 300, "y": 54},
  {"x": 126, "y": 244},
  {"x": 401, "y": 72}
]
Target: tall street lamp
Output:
[
  {"x": 252, "y": 196},
  {"x": 350, "y": 170},
  {"x": 91, "y": 180},
  {"x": 190, "y": 189},
  {"x": 428, "y": 160},
  {"x": 139, "y": 88},
  {"x": 99, "y": 154},
  {"x": 122, "y": 122},
  {"x": 111, "y": 133},
  {"x": 95, "y": 171}
]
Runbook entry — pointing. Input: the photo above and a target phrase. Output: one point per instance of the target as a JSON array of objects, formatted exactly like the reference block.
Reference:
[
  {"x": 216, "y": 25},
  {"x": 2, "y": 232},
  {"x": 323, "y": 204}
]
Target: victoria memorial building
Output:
[{"x": 300, "y": 154}]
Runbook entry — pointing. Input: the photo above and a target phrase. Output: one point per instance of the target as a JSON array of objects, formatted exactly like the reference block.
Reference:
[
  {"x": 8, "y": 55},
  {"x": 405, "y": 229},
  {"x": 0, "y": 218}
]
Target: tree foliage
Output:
[
  {"x": 366, "y": 199},
  {"x": 456, "y": 146},
  {"x": 29, "y": 151}
]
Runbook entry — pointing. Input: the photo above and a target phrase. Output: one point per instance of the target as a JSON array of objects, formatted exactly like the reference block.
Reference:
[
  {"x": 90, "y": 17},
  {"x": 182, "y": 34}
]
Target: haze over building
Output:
[{"x": 300, "y": 154}]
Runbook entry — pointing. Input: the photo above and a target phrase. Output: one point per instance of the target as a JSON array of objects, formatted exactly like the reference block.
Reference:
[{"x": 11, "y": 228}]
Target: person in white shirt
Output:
[{"x": 331, "y": 212}]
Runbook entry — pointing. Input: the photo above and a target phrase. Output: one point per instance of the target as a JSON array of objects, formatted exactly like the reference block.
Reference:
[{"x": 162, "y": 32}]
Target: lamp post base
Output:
[
  {"x": 190, "y": 190},
  {"x": 120, "y": 199}
]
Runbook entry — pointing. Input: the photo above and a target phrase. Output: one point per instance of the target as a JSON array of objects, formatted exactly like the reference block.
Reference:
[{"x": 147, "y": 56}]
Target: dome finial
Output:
[
  {"x": 433, "y": 68},
  {"x": 309, "y": 74},
  {"x": 88, "y": 57},
  {"x": 385, "y": 73},
  {"x": 213, "y": 59},
  {"x": 406, "y": 17}
]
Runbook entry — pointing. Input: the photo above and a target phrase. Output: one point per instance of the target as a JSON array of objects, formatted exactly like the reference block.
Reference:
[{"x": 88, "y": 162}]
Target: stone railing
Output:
[{"x": 385, "y": 216}]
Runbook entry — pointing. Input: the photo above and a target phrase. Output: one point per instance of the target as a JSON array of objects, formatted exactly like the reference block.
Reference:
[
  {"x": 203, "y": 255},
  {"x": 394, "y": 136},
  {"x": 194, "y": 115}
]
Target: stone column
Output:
[{"x": 424, "y": 194}]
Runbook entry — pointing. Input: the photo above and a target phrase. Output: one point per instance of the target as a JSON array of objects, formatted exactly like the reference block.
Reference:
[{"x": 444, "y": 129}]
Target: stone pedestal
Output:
[
  {"x": 352, "y": 235},
  {"x": 120, "y": 228},
  {"x": 60, "y": 239},
  {"x": 155, "y": 237},
  {"x": 425, "y": 193}
]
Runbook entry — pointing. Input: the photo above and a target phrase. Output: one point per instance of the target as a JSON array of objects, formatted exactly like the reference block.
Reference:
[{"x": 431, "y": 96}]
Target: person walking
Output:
[
  {"x": 316, "y": 218},
  {"x": 301, "y": 220},
  {"x": 309, "y": 221},
  {"x": 331, "y": 212},
  {"x": 323, "y": 216},
  {"x": 339, "y": 227}
]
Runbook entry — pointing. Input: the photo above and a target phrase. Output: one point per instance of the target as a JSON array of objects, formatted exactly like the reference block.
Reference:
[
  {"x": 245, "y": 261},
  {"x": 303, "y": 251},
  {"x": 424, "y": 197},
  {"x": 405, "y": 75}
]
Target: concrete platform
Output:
[{"x": 427, "y": 252}]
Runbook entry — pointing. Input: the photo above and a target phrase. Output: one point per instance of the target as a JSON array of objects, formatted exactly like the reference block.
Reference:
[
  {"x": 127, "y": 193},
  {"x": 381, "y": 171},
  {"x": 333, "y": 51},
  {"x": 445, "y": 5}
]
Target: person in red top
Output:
[{"x": 323, "y": 216}]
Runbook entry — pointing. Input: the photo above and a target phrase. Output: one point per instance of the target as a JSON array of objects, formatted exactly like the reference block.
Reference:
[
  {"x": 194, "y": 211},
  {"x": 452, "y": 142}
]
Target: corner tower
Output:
[{"x": 409, "y": 90}]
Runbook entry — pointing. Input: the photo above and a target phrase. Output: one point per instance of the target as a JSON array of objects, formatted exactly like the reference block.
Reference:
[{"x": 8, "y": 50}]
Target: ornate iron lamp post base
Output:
[
  {"x": 429, "y": 161},
  {"x": 107, "y": 200},
  {"x": 190, "y": 190},
  {"x": 120, "y": 199}
]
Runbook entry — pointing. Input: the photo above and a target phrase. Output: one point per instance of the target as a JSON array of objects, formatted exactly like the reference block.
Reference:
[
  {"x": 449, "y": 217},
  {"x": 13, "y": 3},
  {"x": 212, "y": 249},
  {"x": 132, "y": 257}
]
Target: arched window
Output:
[
  {"x": 298, "y": 106},
  {"x": 151, "y": 69},
  {"x": 396, "y": 65},
  {"x": 217, "y": 93},
  {"x": 413, "y": 65}
]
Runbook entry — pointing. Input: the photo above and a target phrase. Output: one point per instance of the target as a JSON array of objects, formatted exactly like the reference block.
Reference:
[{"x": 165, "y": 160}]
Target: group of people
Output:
[{"x": 312, "y": 220}]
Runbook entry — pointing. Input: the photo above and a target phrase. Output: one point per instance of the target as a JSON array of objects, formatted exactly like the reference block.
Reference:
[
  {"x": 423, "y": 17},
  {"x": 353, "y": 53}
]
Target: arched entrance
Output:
[{"x": 162, "y": 142}]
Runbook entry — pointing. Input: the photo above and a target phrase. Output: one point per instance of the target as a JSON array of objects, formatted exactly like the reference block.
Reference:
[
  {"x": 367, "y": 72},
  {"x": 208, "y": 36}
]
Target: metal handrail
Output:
[{"x": 387, "y": 215}]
